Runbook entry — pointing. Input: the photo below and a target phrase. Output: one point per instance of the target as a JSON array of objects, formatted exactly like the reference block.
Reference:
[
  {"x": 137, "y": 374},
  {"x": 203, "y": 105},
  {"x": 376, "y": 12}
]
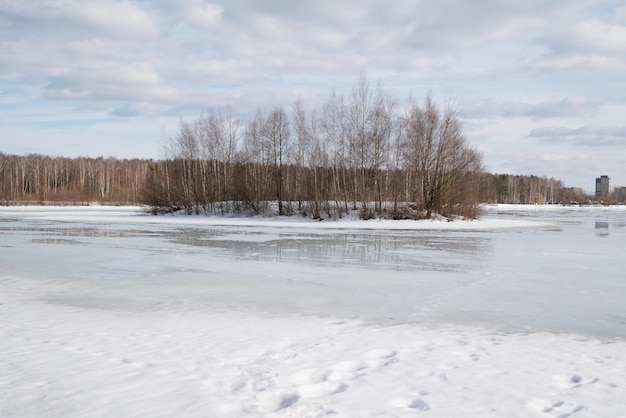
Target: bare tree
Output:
[
  {"x": 300, "y": 151},
  {"x": 230, "y": 129},
  {"x": 436, "y": 148},
  {"x": 255, "y": 155},
  {"x": 276, "y": 133},
  {"x": 360, "y": 115},
  {"x": 382, "y": 128},
  {"x": 335, "y": 134}
]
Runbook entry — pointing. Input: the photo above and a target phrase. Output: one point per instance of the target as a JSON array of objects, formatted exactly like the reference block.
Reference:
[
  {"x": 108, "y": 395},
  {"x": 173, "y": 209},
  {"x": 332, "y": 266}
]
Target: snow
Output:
[
  {"x": 108, "y": 312},
  {"x": 131, "y": 214}
]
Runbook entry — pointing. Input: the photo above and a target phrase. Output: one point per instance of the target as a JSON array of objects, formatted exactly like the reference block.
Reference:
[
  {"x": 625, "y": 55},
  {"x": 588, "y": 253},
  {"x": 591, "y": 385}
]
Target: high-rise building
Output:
[{"x": 602, "y": 186}]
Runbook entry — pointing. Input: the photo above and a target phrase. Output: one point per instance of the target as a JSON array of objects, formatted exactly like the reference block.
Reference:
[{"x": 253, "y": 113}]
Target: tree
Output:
[
  {"x": 361, "y": 141},
  {"x": 436, "y": 150},
  {"x": 301, "y": 151},
  {"x": 277, "y": 135},
  {"x": 335, "y": 134}
]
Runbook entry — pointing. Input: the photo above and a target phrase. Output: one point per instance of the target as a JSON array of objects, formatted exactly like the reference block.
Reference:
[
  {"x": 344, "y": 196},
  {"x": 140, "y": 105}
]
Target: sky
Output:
[{"x": 540, "y": 86}]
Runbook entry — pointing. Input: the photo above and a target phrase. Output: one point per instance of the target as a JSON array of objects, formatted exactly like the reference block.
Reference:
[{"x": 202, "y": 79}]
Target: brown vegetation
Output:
[
  {"x": 238, "y": 185},
  {"x": 359, "y": 152},
  {"x": 39, "y": 179},
  {"x": 519, "y": 189}
]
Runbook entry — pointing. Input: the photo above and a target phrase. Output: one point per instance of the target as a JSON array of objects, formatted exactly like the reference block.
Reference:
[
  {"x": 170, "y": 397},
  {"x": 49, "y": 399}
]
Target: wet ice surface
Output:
[
  {"x": 563, "y": 275},
  {"x": 107, "y": 312}
]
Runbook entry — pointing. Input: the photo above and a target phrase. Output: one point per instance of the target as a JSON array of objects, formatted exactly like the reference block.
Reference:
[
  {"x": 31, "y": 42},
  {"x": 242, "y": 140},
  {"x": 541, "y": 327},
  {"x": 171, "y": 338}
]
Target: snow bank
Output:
[
  {"x": 61, "y": 361},
  {"x": 136, "y": 214}
]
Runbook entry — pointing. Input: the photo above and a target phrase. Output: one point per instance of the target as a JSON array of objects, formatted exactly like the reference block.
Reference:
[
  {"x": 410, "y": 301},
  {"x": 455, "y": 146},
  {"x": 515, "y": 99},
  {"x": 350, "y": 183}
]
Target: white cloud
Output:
[
  {"x": 118, "y": 18},
  {"x": 588, "y": 40},
  {"x": 552, "y": 108},
  {"x": 587, "y": 136},
  {"x": 598, "y": 35},
  {"x": 138, "y": 109},
  {"x": 198, "y": 13},
  {"x": 219, "y": 72},
  {"x": 580, "y": 63}
]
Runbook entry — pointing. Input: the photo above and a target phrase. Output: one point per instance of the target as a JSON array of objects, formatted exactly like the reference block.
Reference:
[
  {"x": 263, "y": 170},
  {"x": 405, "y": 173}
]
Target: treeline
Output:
[
  {"x": 519, "y": 189},
  {"x": 39, "y": 179},
  {"x": 42, "y": 179}
]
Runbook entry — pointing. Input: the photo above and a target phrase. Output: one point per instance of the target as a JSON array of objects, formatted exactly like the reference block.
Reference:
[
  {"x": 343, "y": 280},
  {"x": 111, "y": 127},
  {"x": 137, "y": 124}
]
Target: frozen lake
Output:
[
  {"x": 108, "y": 312},
  {"x": 564, "y": 273}
]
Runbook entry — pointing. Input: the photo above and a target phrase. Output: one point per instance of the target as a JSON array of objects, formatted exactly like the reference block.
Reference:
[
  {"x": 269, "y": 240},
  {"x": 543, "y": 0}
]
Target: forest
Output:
[
  {"x": 364, "y": 152},
  {"x": 37, "y": 179}
]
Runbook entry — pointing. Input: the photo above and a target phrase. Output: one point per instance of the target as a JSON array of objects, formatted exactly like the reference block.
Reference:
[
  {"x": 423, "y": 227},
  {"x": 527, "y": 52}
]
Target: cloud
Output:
[
  {"x": 203, "y": 14},
  {"x": 585, "y": 136},
  {"x": 138, "y": 109},
  {"x": 79, "y": 50},
  {"x": 581, "y": 64},
  {"x": 76, "y": 18},
  {"x": 567, "y": 107},
  {"x": 218, "y": 72},
  {"x": 582, "y": 43},
  {"x": 594, "y": 35},
  {"x": 102, "y": 80},
  {"x": 44, "y": 40},
  {"x": 197, "y": 13}
]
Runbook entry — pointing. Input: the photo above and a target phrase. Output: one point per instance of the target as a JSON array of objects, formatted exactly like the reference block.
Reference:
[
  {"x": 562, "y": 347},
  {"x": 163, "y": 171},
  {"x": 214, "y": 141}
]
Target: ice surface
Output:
[{"x": 105, "y": 312}]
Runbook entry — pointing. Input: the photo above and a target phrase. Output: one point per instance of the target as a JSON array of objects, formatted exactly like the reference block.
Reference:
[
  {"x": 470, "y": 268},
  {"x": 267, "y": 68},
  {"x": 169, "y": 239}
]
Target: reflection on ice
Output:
[
  {"x": 602, "y": 228},
  {"x": 417, "y": 250}
]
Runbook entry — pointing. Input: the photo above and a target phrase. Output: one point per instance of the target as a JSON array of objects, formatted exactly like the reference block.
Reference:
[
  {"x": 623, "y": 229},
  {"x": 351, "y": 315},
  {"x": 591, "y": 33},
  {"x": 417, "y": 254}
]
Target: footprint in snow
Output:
[
  {"x": 349, "y": 366},
  {"x": 347, "y": 370},
  {"x": 309, "y": 376},
  {"x": 379, "y": 353},
  {"x": 556, "y": 408},
  {"x": 314, "y": 383},
  {"x": 313, "y": 410},
  {"x": 380, "y": 357},
  {"x": 272, "y": 401},
  {"x": 416, "y": 403},
  {"x": 420, "y": 404},
  {"x": 322, "y": 389},
  {"x": 573, "y": 381}
]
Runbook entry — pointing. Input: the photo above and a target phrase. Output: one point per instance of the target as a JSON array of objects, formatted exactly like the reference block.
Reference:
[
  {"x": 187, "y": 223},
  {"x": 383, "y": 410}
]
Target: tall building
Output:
[{"x": 602, "y": 186}]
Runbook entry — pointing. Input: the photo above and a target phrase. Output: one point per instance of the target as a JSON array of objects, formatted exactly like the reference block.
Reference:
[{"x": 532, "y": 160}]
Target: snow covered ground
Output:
[{"x": 108, "y": 312}]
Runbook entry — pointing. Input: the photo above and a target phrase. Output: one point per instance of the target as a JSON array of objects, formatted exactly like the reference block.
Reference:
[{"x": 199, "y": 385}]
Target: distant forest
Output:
[
  {"x": 361, "y": 152},
  {"x": 38, "y": 179}
]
